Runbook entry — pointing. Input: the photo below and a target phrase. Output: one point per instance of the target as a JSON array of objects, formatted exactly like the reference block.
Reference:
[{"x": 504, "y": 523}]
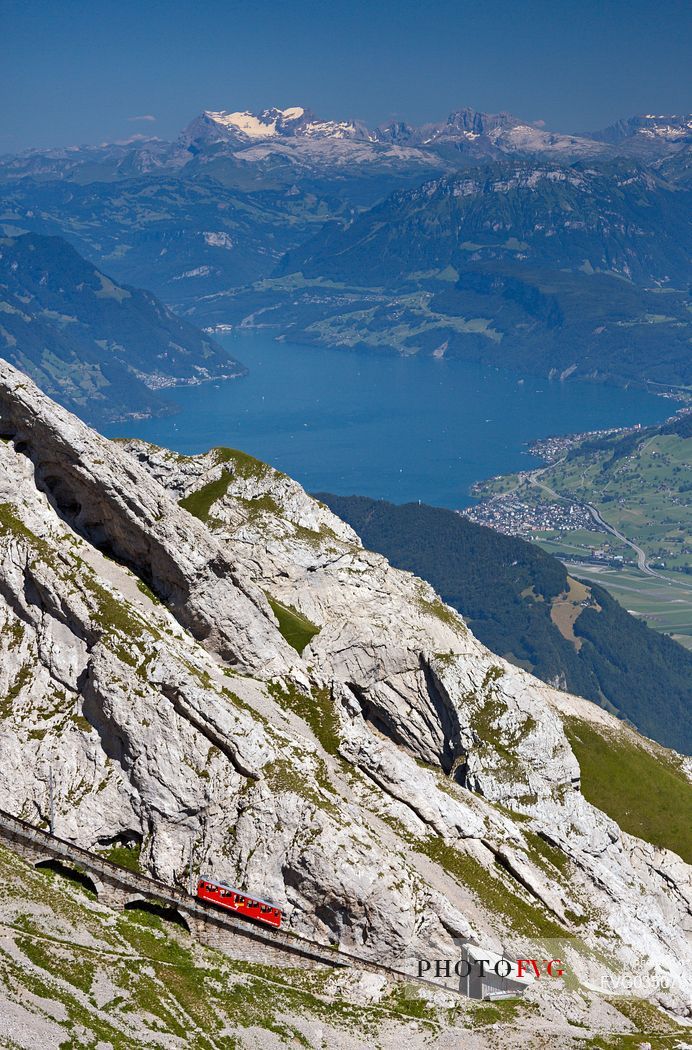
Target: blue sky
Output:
[{"x": 76, "y": 72}]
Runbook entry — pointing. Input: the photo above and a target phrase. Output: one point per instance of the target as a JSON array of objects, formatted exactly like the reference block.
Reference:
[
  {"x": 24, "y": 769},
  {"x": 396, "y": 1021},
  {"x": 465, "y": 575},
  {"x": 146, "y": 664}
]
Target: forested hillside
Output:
[{"x": 554, "y": 269}]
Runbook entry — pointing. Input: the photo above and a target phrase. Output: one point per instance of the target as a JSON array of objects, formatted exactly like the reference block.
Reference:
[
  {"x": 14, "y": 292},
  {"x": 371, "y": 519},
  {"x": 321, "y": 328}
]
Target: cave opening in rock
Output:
[
  {"x": 64, "y": 498},
  {"x": 128, "y": 838}
]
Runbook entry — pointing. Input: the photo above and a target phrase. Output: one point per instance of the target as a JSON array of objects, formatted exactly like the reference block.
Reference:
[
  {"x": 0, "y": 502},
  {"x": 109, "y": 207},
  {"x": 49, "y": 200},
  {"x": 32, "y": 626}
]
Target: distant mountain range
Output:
[
  {"x": 102, "y": 349},
  {"x": 298, "y": 138},
  {"x": 482, "y": 235},
  {"x": 552, "y": 268}
]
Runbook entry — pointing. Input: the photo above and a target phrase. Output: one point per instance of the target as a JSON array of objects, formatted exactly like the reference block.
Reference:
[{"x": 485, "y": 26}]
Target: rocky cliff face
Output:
[{"x": 383, "y": 777}]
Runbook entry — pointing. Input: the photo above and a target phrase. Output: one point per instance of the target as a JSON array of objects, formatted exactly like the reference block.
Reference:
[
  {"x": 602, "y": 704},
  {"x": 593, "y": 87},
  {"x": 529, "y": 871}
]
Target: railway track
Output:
[{"x": 118, "y": 887}]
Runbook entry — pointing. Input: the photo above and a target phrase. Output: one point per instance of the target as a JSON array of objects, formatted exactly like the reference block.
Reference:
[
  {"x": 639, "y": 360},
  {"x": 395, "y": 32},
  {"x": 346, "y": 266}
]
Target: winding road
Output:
[{"x": 642, "y": 563}]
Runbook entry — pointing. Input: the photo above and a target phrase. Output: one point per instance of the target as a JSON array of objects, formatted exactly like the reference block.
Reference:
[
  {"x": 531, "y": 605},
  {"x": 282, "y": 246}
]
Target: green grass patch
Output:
[
  {"x": 296, "y": 628},
  {"x": 543, "y": 853},
  {"x": 244, "y": 465},
  {"x": 116, "y": 617},
  {"x": 645, "y": 1015},
  {"x": 124, "y": 856},
  {"x": 405, "y": 1000},
  {"x": 504, "y": 1011},
  {"x": 647, "y": 796},
  {"x": 68, "y": 963},
  {"x": 283, "y": 776},
  {"x": 440, "y": 611},
  {"x": 200, "y": 502},
  {"x": 22, "y": 678},
  {"x": 315, "y": 708},
  {"x": 258, "y": 505},
  {"x": 147, "y": 592},
  {"x": 144, "y": 932}
]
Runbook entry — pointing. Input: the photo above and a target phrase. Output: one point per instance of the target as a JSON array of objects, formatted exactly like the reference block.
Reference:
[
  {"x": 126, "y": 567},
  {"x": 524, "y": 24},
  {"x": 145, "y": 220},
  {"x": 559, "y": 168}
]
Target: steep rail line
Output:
[{"x": 117, "y": 886}]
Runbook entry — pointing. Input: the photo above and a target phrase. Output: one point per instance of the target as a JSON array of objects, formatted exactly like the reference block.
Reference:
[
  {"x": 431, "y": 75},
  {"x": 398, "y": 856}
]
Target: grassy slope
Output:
[
  {"x": 200, "y": 501},
  {"x": 296, "y": 629},
  {"x": 646, "y": 794},
  {"x": 132, "y": 979}
]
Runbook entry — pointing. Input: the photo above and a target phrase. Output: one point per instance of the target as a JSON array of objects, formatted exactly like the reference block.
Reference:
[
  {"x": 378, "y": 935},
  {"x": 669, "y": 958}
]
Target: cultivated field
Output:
[{"x": 665, "y": 604}]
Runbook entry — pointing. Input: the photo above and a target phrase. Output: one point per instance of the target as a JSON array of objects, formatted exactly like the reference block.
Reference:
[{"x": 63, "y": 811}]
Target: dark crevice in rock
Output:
[
  {"x": 376, "y": 717},
  {"x": 63, "y": 499},
  {"x": 129, "y": 838},
  {"x": 113, "y": 742},
  {"x": 86, "y": 508},
  {"x": 447, "y": 718},
  {"x": 459, "y": 769},
  {"x": 379, "y": 719}
]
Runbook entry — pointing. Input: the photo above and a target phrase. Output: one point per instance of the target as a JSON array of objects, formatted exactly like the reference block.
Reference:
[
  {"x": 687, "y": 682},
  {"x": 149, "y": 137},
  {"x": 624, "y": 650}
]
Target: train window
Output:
[{"x": 252, "y": 904}]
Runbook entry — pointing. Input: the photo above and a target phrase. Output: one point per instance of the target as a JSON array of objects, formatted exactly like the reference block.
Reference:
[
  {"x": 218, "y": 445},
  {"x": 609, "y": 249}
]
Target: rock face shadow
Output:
[
  {"x": 160, "y": 911},
  {"x": 77, "y": 878}
]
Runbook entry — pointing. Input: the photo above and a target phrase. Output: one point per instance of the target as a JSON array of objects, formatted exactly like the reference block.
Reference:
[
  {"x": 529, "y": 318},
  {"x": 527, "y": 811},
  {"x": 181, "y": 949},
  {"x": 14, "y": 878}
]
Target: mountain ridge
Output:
[
  {"x": 553, "y": 268},
  {"x": 548, "y": 260},
  {"x": 472, "y": 134},
  {"x": 102, "y": 348}
]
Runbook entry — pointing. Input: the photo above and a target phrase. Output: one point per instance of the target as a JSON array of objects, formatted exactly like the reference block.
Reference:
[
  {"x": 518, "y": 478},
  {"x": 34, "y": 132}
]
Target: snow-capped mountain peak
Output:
[
  {"x": 651, "y": 128},
  {"x": 265, "y": 125},
  {"x": 283, "y": 123}
]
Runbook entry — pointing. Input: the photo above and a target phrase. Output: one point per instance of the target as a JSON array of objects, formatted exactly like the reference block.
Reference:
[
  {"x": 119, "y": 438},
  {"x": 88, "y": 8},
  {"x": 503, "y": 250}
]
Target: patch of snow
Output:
[
  {"x": 199, "y": 271},
  {"x": 217, "y": 240},
  {"x": 246, "y": 123}
]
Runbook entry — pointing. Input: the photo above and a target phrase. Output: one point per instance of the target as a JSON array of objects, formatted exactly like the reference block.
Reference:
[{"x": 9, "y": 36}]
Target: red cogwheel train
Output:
[{"x": 231, "y": 899}]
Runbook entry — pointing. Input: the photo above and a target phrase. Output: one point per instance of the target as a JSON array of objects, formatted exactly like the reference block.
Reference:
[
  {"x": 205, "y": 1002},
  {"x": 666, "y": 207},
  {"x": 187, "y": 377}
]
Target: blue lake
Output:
[{"x": 381, "y": 425}]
